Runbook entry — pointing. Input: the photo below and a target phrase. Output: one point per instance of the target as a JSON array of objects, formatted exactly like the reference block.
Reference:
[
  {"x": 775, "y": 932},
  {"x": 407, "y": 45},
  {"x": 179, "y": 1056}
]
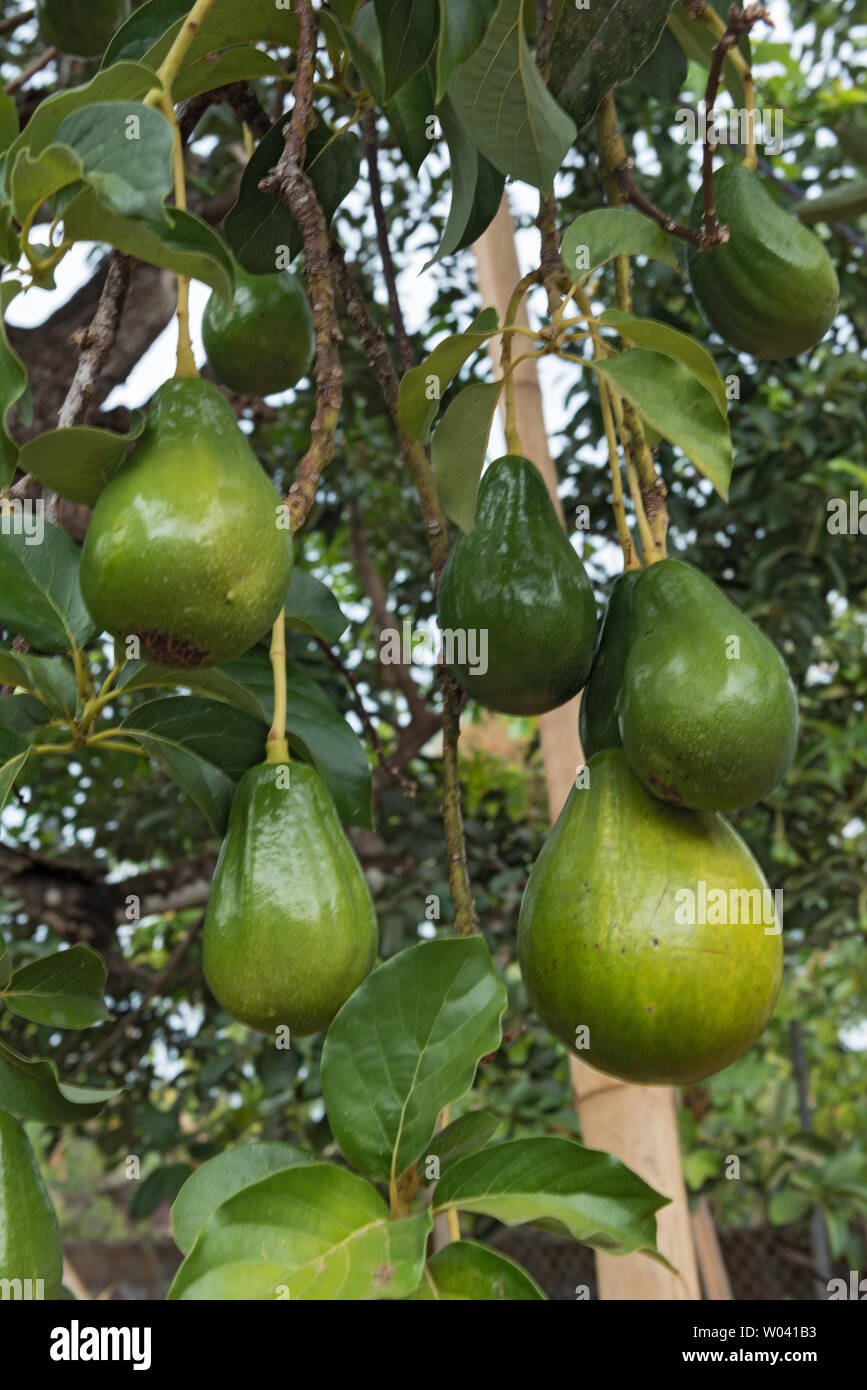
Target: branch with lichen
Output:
[{"x": 292, "y": 185}]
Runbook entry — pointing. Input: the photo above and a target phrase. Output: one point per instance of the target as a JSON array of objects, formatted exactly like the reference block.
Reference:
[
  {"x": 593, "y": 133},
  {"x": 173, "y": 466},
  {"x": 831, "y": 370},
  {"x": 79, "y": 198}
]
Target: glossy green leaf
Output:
[
  {"x": 459, "y": 447},
  {"x": 405, "y": 1045},
  {"x": 13, "y": 755},
  {"x": 500, "y": 96},
  {"x": 162, "y": 1185},
  {"x": 580, "y": 1192},
  {"x": 78, "y": 462},
  {"x": 235, "y": 65},
  {"x": 147, "y": 675},
  {"x": 843, "y": 202},
  {"x": 678, "y": 405},
  {"x": 179, "y": 241},
  {"x": 13, "y": 385},
  {"x": 603, "y": 233},
  {"x": 9, "y": 122},
  {"x": 598, "y": 46},
  {"x": 32, "y": 181},
  {"x": 260, "y": 226},
  {"x": 32, "y": 1090},
  {"x": 422, "y": 389},
  {"x": 698, "y": 43},
  {"x": 221, "y": 1178},
  {"x": 311, "y": 607},
  {"x": 477, "y": 188},
  {"x": 52, "y": 680},
  {"x": 688, "y": 351},
  {"x": 64, "y": 990},
  {"x": 313, "y": 1231},
  {"x": 40, "y": 596},
  {"x": 409, "y": 32},
  {"x": 462, "y": 28},
  {"x": 466, "y": 1271},
  {"x": 465, "y": 1135},
  {"x": 150, "y": 31}
]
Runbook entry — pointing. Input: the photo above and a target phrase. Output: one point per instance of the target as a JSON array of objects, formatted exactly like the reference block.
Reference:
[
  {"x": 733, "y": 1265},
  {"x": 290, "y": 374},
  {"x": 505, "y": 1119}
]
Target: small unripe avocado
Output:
[{"x": 263, "y": 342}]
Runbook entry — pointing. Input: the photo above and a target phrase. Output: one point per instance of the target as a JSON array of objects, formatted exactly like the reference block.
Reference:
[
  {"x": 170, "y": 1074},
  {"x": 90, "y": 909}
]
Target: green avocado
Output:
[
  {"x": 707, "y": 712},
  {"x": 29, "y": 1241},
  {"x": 597, "y": 720},
  {"x": 771, "y": 289},
  {"x": 515, "y": 606},
  {"x": 263, "y": 342},
  {"x": 184, "y": 549},
  {"x": 290, "y": 931},
  {"x": 80, "y": 27},
  {"x": 645, "y": 925}
]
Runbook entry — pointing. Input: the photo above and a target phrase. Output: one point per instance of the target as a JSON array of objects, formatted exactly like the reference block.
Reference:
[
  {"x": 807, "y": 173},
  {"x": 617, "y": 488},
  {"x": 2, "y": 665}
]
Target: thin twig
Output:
[
  {"x": 156, "y": 985},
  {"x": 25, "y": 74},
  {"x": 7, "y": 25},
  {"x": 97, "y": 341},
  {"x": 290, "y": 183},
  {"x": 371, "y": 150}
]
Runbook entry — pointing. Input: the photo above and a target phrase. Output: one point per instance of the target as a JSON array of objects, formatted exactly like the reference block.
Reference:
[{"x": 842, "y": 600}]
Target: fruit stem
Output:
[
  {"x": 276, "y": 745},
  {"x": 513, "y": 438},
  {"x": 162, "y": 97}
]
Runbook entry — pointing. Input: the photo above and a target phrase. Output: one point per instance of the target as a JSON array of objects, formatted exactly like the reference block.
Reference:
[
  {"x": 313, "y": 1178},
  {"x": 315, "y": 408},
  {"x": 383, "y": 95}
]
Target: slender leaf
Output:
[
  {"x": 459, "y": 447},
  {"x": 221, "y": 1178},
  {"x": 78, "y": 462},
  {"x": 598, "y": 46},
  {"x": 32, "y": 1090},
  {"x": 40, "y": 596},
  {"x": 688, "y": 351},
  {"x": 64, "y": 990},
  {"x": 422, "y": 389},
  {"x": 603, "y": 233}
]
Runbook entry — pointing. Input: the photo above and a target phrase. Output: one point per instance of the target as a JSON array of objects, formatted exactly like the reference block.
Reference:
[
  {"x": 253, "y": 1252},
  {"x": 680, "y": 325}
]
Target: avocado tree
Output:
[{"x": 170, "y": 589}]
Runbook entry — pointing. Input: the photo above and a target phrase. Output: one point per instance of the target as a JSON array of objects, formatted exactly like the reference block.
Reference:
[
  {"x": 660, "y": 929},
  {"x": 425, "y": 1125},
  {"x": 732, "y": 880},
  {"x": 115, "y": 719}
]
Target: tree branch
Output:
[
  {"x": 371, "y": 150},
  {"x": 97, "y": 341}
]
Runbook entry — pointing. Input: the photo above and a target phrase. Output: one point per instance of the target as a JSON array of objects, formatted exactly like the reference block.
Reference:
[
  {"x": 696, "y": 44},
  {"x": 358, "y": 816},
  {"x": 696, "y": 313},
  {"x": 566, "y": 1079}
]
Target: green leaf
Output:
[
  {"x": 34, "y": 180},
  {"x": 9, "y": 123},
  {"x": 10, "y": 239},
  {"x": 459, "y": 447},
  {"x": 477, "y": 188},
  {"x": 64, "y": 990},
  {"x": 500, "y": 96},
  {"x": 311, "y": 607},
  {"x": 466, "y": 1270},
  {"x": 259, "y": 224},
  {"x": 599, "y": 46},
  {"x": 22, "y": 714},
  {"x": 78, "y": 462},
  {"x": 317, "y": 730},
  {"x": 787, "y": 1206},
  {"x": 204, "y": 745},
  {"x": 40, "y": 596},
  {"x": 149, "y": 33},
  {"x": 409, "y": 31},
  {"x": 221, "y": 1178},
  {"x": 125, "y": 151},
  {"x": 462, "y": 28},
  {"x": 162, "y": 1185},
  {"x": 179, "y": 241},
  {"x": 580, "y": 1192},
  {"x": 688, "y": 351},
  {"x": 678, "y": 405},
  {"x": 123, "y": 82},
  {"x": 236, "y": 65},
  {"x": 145, "y": 675},
  {"x": 315, "y": 1231},
  {"x": 465, "y": 1135},
  {"x": 663, "y": 75},
  {"x": 603, "y": 233},
  {"x": 13, "y": 385},
  {"x": 422, "y": 389},
  {"x": 844, "y": 202},
  {"x": 13, "y": 755},
  {"x": 700, "y": 1165},
  {"x": 405, "y": 1045},
  {"x": 32, "y": 1090},
  {"x": 853, "y": 142},
  {"x": 52, "y": 680}
]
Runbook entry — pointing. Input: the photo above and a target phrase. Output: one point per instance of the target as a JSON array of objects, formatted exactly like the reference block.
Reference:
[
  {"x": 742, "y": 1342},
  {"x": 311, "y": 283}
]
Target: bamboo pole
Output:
[{"x": 636, "y": 1123}]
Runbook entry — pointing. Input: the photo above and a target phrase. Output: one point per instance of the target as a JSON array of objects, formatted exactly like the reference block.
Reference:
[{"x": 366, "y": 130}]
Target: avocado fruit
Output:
[
  {"x": 80, "y": 27},
  {"x": 184, "y": 550},
  {"x": 29, "y": 1240},
  {"x": 597, "y": 721},
  {"x": 653, "y": 928},
  {"x": 262, "y": 343},
  {"x": 290, "y": 930},
  {"x": 771, "y": 289},
  {"x": 707, "y": 712},
  {"x": 515, "y": 604}
]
